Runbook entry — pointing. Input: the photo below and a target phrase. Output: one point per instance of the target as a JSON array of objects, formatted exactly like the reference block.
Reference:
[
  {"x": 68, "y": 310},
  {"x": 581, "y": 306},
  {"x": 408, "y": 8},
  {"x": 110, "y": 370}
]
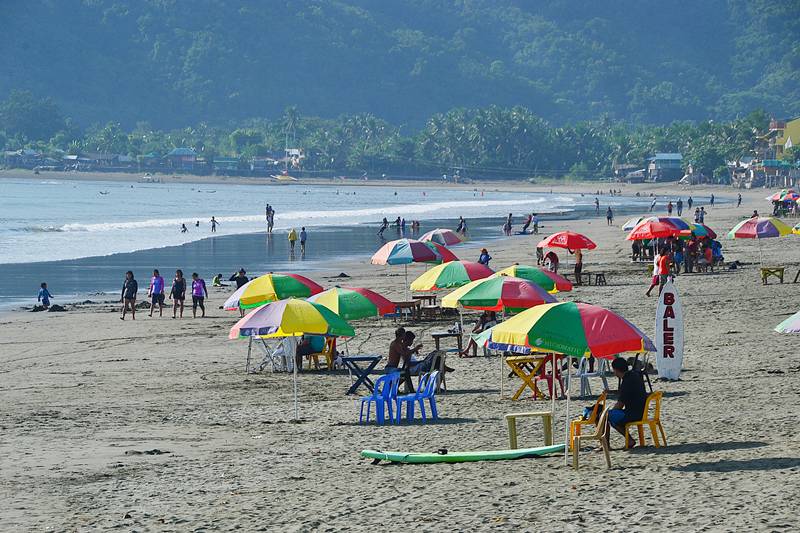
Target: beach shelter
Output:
[
  {"x": 443, "y": 236},
  {"x": 759, "y": 228},
  {"x": 549, "y": 281},
  {"x": 567, "y": 239},
  {"x": 572, "y": 329},
  {"x": 353, "y": 304},
  {"x": 790, "y": 325},
  {"x": 289, "y": 318},
  {"x": 270, "y": 288},
  {"x": 449, "y": 275}
]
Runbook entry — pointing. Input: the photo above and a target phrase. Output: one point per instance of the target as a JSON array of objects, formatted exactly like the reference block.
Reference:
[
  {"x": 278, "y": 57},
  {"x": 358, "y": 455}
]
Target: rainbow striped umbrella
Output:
[
  {"x": 271, "y": 288},
  {"x": 790, "y": 325},
  {"x": 700, "y": 230},
  {"x": 449, "y": 275},
  {"x": 498, "y": 293},
  {"x": 291, "y": 318},
  {"x": 783, "y": 195},
  {"x": 549, "y": 281},
  {"x": 404, "y": 252},
  {"x": 658, "y": 228},
  {"x": 443, "y": 236},
  {"x": 759, "y": 228},
  {"x": 353, "y": 304},
  {"x": 569, "y": 328}
]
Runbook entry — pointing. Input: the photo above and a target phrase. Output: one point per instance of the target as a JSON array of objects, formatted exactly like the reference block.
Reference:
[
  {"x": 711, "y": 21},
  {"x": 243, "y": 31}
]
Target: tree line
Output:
[{"x": 478, "y": 142}]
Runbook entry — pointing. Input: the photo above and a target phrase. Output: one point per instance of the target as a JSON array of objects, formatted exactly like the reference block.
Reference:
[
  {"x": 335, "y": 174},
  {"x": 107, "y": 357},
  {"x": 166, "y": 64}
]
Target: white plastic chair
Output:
[{"x": 600, "y": 369}]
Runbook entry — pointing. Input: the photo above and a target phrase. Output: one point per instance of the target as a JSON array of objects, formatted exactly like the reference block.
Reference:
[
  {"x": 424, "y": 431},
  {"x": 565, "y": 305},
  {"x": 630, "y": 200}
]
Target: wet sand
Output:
[{"x": 87, "y": 399}]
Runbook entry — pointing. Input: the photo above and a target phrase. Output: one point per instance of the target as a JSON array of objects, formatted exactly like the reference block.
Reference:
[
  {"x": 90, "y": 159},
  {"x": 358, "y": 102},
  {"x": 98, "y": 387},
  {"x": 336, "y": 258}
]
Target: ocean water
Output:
[{"x": 81, "y": 236}]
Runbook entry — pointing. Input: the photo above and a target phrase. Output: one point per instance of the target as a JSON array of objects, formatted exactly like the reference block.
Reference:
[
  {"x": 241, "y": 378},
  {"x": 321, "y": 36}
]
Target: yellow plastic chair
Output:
[
  {"x": 576, "y": 425},
  {"x": 600, "y": 434},
  {"x": 328, "y": 352},
  {"x": 652, "y": 423}
]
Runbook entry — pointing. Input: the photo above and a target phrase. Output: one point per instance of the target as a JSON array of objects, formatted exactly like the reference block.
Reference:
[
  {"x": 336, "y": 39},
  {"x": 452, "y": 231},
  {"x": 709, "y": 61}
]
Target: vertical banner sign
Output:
[{"x": 669, "y": 333}]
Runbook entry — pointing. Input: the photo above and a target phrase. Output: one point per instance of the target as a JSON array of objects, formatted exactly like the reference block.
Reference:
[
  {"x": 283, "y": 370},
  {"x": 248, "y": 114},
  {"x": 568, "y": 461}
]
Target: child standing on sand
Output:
[{"x": 44, "y": 296}]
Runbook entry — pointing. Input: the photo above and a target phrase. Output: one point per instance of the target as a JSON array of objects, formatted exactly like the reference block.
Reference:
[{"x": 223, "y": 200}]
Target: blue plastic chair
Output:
[
  {"x": 430, "y": 395},
  {"x": 411, "y": 399},
  {"x": 383, "y": 395}
]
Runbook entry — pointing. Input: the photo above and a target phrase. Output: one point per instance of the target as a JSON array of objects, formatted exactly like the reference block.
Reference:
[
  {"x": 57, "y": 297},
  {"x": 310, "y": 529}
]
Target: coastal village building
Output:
[
  {"x": 181, "y": 159},
  {"x": 782, "y": 136},
  {"x": 665, "y": 167}
]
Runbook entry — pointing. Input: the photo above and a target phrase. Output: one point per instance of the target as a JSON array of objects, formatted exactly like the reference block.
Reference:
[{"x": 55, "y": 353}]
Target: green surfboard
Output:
[{"x": 461, "y": 457}]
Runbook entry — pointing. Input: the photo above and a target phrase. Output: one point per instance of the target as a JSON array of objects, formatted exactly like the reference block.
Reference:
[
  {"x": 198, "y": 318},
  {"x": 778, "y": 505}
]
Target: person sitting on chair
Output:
[
  {"x": 303, "y": 349},
  {"x": 631, "y": 398},
  {"x": 487, "y": 320}
]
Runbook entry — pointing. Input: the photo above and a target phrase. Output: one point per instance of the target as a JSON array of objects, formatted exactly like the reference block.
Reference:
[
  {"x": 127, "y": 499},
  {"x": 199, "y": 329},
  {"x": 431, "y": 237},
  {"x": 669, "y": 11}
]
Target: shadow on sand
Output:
[
  {"x": 701, "y": 447},
  {"x": 736, "y": 465}
]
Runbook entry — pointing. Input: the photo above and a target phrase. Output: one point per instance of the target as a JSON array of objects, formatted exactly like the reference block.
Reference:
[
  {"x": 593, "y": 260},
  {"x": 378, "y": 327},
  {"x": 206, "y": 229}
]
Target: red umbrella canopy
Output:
[
  {"x": 405, "y": 251},
  {"x": 443, "y": 254},
  {"x": 658, "y": 228},
  {"x": 567, "y": 239}
]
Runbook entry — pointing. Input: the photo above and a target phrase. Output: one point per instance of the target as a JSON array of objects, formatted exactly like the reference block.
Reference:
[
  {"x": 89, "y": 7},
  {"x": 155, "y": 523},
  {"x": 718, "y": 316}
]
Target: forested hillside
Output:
[{"x": 174, "y": 63}]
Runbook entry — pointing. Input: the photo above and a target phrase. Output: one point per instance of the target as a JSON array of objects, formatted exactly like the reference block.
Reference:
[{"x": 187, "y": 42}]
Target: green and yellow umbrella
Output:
[
  {"x": 498, "y": 293},
  {"x": 549, "y": 281},
  {"x": 353, "y": 304},
  {"x": 271, "y": 288},
  {"x": 449, "y": 275},
  {"x": 291, "y": 318}
]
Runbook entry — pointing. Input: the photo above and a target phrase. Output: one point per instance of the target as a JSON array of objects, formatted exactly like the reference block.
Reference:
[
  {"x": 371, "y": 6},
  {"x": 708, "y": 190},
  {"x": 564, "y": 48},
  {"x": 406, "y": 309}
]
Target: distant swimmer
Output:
[
  {"x": 197, "y": 224},
  {"x": 214, "y": 224},
  {"x": 184, "y": 229}
]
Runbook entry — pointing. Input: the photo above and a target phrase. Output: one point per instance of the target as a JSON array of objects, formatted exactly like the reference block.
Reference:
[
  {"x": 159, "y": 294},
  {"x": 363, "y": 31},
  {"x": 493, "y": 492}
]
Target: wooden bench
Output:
[
  {"x": 774, "y": 271},
  {"x": 547, "y": 418}
]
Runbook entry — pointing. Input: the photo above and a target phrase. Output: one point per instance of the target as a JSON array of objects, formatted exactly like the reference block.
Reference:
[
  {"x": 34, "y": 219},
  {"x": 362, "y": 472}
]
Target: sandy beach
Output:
[{"x": 153, "y": 425}]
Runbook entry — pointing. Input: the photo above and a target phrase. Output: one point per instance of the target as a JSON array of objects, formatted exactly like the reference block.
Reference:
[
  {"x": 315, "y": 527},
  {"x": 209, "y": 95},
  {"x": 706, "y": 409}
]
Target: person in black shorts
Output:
[
  {"x": 129, "y": 289},
  {"x": 199, "y": 294},
  {"x": 178, "y": 292},
  {"x": 631, "y": 398}
]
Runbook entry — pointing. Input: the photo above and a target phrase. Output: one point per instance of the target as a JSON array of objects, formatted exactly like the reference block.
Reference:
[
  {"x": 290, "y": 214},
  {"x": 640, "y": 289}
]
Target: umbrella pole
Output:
[
  {"x": 567, "y": 421},
  {"x": 553, "y": 394},
  {"x": 405, "y": 272},
  {"x": 502, "y": 373},
  {"x": 249, "y": 350},
  {"x": 296, "y": 416}
]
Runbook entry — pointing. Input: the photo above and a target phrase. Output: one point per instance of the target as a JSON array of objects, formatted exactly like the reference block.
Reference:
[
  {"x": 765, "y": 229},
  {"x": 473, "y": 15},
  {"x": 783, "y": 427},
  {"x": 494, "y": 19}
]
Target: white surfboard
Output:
[{"x": 669, "y": 333}]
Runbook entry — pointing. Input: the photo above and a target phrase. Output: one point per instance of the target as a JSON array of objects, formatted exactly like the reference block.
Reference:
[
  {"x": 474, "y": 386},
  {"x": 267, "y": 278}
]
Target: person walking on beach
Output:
[
  {"x": 702, "y": 214},
  {"x": 655, "y": 279},
  {"x": 679, "y": 205},
  {"x": 696, "y": 215},
  {"x": 596, "y": 206},
  {"x": 292, "y": 239},
  {"x": 214, "y": 224},
  {"x": 199, "y": 294},
  {"x": 711, "y": 200},
  {"x": 535, "y": 224},
  {"x": 578, "y": 265},
  {"x": 527, "y": 224},
  {"x": 178, "y": 292},
  {"x": 44, "y": 296},
  {"x": 303, "y": 237},
  {"x": 689, "y": 202},
  {"x": 739, "y": 200},
  {"x": 128, "y": 298},
  {"x": 240, "y": 278},
  {"x": 270, "y": 218},
  {"x": 508, "y": 225},
  {"x": 609, "y": 216},
  {"x": 653, "y": 205},
  {"x": 156, "y": 293},
  {"x": 669, "y": 208}
]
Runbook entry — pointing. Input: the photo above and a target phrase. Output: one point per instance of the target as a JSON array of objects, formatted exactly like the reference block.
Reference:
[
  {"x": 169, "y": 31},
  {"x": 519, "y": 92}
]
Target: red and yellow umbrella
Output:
[
  {"x": 498, "y": 293},
  {"x": 569, "y": 328},
  {"x": 567, "y": 239},
  {"x": 271, "y": 288}
]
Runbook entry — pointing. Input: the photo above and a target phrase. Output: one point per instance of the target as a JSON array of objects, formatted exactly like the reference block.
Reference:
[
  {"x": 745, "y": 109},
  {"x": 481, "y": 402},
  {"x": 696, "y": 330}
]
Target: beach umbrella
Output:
[
  {"x": 796, "y": 229},
  {"x": 443, "y": 254},
  {"x": 443, "y": 236},
  {"x": 790, "y": 325},
  {"x": 658, "y": 228},
  {"x": 572, "y": 329},
  {"x": 449, "y": 275},
  {"x": 759, "y": 228},
  {"x": 703, "y": 231},
  {"x": 290, "y": 318},
  {"x": 498, "y": 293},
  {"x": 353, "y": 304},
  {"x": 549, "y": 281},
  {"x": 567, "y": 239},
  {"x": 781, "y": 195},
  {"x": 404, "y": 252},
  {"x": 271, "y": 288},
  {"x": 631, "y": 222}
]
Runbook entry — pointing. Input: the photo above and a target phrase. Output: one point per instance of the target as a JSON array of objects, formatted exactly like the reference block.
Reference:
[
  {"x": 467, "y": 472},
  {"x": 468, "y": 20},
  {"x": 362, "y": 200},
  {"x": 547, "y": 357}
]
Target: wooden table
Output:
[
  {"x": 426, "y": 299},
  {"x": 547, "y": 420},
  {"x": 362, "y": 373},
  {"x": 413, "y": 306},
  {"x": 439, "y": 335},
  {"x": 528, "y": 367},
  {"x": 775, "y": 271}
]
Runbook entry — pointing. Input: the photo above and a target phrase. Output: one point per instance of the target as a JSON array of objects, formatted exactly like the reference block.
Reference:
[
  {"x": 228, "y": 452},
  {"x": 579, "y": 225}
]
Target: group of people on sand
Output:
[
  {"x": 402, "y": 352},
  {"x": 694, "y": 255},
  {"x": 156, "y": 292}
]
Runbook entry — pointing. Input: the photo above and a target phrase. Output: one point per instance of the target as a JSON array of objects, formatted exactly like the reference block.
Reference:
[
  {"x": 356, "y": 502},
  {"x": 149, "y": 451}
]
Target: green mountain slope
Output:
[{"x": 178, "y": 62}]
